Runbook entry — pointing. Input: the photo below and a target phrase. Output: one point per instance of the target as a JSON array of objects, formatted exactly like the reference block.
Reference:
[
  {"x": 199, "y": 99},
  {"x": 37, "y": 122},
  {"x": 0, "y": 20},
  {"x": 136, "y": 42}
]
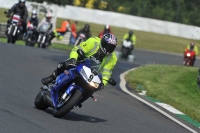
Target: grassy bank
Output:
[
  {"x": 53, "y": 46},
  {"x": 174, "y": 85},
  {"x": 145, "y": 40}
]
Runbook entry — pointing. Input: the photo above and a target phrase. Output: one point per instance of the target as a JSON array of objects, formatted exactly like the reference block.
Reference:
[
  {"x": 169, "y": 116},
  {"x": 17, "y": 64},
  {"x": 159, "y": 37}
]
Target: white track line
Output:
[{"x": 123, "y": 87}]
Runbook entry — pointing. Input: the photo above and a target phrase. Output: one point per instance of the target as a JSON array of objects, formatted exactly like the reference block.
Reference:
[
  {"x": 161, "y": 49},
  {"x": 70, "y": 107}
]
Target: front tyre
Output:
[
  {"x": 69, "y": 105},
  {"x": 39, "y": 101}
]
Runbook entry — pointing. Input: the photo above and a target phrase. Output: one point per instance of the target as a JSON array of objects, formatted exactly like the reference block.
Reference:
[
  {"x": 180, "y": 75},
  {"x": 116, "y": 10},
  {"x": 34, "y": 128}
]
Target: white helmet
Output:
[
  {"x": 48, "y": 17},
  {"x": 22, "y": 1},
  {"x": 34, "y": 14}
]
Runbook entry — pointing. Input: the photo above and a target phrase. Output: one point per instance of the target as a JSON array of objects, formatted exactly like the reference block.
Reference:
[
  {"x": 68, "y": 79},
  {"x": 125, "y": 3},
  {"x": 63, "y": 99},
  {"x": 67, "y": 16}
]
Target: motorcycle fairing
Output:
[{"x": 61, "y": 81}]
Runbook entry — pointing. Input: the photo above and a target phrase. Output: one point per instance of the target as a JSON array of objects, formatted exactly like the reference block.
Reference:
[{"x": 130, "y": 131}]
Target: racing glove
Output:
[
  {"x": 72, "y": 62},
  {"x": 8, "y": 15}
]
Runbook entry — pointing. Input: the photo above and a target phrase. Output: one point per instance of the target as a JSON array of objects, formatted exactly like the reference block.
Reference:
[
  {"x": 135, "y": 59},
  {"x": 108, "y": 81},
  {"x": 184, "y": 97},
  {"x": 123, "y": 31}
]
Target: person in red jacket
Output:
[
  {"x": 73, "y": 32},
  {"x": 105, "y": 31}
]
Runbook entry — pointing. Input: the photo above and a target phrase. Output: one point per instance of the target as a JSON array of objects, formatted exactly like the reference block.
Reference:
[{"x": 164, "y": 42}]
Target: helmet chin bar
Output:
[
  {"x": 101, "y": 52},
  {"x": 104, "y": 51}
]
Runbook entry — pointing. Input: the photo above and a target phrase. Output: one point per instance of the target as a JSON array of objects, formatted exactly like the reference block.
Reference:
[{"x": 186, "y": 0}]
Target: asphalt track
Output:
[{"x": 115, "y": 112}]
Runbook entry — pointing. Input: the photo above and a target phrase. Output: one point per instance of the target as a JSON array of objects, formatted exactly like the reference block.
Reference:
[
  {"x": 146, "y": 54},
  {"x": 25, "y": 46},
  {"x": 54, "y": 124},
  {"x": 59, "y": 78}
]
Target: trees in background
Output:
[{"x": 181, "y": 11}]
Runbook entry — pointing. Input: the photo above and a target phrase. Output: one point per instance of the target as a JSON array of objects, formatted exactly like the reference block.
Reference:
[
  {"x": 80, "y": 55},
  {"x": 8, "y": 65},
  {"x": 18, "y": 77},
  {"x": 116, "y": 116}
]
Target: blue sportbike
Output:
[{"x": 70, "y": 88}]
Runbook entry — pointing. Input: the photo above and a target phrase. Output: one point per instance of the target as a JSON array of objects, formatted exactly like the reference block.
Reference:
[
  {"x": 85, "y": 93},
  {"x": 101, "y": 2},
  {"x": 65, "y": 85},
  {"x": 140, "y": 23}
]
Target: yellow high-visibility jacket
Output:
[
  {"x": 90, "y": 47},
  {"x": 195, "y": 49},
  {"x": 133, "y": 38}
]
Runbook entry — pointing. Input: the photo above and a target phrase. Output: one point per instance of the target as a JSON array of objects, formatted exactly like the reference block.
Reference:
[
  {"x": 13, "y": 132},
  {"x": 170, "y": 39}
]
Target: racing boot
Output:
[
  {"x": 60, "y": 69},
  {"x": 49, "y": 79}
]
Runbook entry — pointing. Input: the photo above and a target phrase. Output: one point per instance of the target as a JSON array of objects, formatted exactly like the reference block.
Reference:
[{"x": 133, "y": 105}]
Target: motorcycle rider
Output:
[
  {"x": 51, "y": 34},
  {"x": 99, "y": 50},
  {"x": 86, "y": 31},
  {"x": 21, "y": 10},
  {"x": 194, "y": 48},
  {"x": 129, "y": 37},
  {"x": 106, "y": 30},
  {"x": 34, "y": 21}
]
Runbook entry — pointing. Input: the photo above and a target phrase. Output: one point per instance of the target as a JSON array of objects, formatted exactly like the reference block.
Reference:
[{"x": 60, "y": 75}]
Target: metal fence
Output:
[{"x": 2, "y": 29}]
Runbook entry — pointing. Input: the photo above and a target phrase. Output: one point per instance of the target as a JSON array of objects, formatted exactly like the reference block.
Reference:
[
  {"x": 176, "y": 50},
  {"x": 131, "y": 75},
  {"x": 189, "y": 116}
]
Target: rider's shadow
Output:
[{"x": 72, "y": 116}]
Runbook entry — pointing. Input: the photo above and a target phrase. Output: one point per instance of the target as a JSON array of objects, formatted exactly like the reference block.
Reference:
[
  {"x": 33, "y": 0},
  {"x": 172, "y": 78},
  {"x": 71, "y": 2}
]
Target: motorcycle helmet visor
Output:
[
  {"x": 108, "y": 43},
  {"x": 22, "y": 3}
]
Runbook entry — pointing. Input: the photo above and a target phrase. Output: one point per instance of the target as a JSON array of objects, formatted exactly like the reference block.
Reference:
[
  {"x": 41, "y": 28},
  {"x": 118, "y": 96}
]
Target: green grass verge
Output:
[
  {"x": 53, "y": 46},
  {"x": 174, "y": 85},
  {"x": 145, "y": 40}
]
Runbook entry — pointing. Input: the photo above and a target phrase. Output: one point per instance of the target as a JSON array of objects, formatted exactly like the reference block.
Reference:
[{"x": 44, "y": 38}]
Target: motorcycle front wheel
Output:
[
  {"x": 10, "y": 35},
  {"x": 74, "y": 99},
  {"x": 125, "y": 53}
]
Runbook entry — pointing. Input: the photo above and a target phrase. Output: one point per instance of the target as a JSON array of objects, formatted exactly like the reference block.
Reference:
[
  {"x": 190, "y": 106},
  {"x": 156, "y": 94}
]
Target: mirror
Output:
[
  {"x": 5, "y": 12},
  {"x": 81, "y": 54},
  {"x": 112, "y": 82}
]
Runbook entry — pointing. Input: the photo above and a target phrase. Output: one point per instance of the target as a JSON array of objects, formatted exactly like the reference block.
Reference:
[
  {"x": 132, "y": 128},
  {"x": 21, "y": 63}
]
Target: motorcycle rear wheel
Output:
[{"x": 69, "y": 105}]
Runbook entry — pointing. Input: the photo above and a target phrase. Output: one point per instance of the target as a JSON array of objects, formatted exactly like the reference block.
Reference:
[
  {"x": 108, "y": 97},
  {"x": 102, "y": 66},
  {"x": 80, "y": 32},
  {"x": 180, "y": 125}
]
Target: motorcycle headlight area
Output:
[
  {"x": 188, "y": 54},
  {"x": 91, "y": 83}
]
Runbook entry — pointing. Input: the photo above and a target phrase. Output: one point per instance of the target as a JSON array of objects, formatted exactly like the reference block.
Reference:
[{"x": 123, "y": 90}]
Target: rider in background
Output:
[
  {"x": 60, "y": 32},
  {"x": 194, "y": 48},
  {"x": 106, "y": 30},
  {"x": 21, "y": 10},
  {"x": 86, "y": 31},
  {"x": 50, "y": 32},
  {"x": 34, "y": 21},
  {"x": 130, "y": 36}
]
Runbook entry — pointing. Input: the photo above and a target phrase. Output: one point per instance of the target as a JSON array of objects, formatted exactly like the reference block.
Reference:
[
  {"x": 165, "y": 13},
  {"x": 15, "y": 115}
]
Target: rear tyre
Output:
[
  {"x": 13, "y": 41},
  {"x": 39, "y": 101},
  {"x": 124, "y": 53},
  {"x": 27, "y": 40},
  {"x": 69, "y": 105}
]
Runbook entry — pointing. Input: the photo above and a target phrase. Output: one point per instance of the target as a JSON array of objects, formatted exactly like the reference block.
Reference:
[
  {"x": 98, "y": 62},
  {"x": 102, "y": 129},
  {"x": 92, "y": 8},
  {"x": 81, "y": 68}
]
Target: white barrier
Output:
[{"x": 121, "y": 20}]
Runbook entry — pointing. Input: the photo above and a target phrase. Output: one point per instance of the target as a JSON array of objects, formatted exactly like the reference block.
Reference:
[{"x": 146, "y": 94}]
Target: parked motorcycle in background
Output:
[
  {"x": 80, "y": 39},
  {"x": 189, "y": 57},
  {"x": 43, "y": 37},
  {"x": 15, "y": 28},
  {"x": 126, "y": 49},
  {"x": 30, "y": 38}
]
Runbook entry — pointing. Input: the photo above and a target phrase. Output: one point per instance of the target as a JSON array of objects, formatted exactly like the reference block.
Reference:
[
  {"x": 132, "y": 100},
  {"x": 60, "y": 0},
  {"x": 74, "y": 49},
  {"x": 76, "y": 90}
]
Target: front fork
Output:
[{"x": 64, "y": 79}]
